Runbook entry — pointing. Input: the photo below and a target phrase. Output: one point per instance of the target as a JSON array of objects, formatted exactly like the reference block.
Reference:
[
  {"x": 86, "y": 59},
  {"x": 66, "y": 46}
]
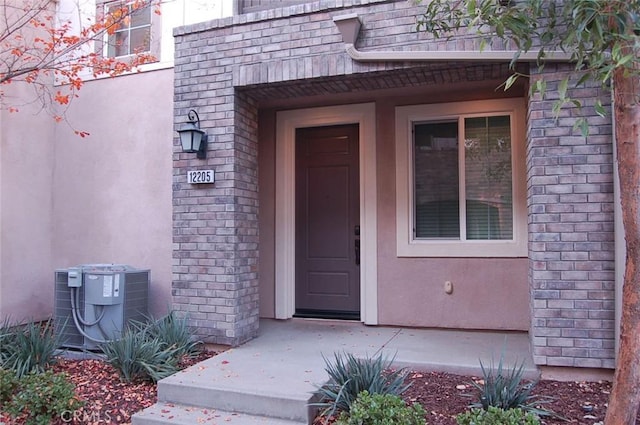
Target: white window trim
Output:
[
  {"x": 155, "y": 32},
  {"x": 287, "y": 122},
  {"x": 406, "y": 244}
]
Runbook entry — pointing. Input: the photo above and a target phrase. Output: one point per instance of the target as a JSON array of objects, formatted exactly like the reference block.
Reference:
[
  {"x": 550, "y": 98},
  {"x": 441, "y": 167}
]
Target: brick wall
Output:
[
  {"x": 248, "y": 6},
  {"x": 571, "y": 247},
  {"x": 215, "y": 276}
]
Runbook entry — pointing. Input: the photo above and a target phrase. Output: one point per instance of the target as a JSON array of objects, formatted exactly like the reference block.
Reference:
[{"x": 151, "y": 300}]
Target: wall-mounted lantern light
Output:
[{"x": 192, "y": 138}]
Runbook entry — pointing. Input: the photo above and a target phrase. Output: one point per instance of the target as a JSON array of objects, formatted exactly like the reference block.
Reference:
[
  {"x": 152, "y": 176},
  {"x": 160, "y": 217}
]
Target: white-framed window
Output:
[
  {"x": 139, "y": 32},
  {"x": 460, "y": 179}
]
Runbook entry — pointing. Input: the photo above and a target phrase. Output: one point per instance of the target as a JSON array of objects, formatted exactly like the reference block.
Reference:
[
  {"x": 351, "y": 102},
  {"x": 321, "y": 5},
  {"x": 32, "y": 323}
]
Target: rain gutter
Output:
[{"x": 349, "y": 27}]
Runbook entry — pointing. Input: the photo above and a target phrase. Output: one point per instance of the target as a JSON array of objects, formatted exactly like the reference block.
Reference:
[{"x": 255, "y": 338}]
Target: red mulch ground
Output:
[
  {"x": 108, "y": 400},
  {"x": 443, "y": 397}
]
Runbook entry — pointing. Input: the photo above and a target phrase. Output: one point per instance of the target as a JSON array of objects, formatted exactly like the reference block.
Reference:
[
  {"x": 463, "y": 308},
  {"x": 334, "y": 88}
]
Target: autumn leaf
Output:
[{"x": 62, "y": 99}]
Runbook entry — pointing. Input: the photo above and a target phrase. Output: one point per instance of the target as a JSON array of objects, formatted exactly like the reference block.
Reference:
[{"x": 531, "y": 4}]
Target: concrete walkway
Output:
[{"x": 272, "y": 378}]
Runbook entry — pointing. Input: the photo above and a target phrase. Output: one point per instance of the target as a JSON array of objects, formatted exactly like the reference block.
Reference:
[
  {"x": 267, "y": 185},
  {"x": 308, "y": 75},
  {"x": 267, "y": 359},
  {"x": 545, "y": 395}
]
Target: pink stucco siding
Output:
[
  {"x": 26, "y": 205},
  {"x": 112, "y": 190},
  {"x": 102, "y": 199}
]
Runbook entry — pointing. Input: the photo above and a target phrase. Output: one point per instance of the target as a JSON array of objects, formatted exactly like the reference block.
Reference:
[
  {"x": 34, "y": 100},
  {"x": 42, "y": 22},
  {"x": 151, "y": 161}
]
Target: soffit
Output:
[{"x": 389, "y": 82}]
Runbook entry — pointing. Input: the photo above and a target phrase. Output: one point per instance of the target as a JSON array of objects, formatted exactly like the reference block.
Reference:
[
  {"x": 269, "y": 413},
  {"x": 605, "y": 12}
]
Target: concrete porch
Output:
[{"x": 271, "y": 379}]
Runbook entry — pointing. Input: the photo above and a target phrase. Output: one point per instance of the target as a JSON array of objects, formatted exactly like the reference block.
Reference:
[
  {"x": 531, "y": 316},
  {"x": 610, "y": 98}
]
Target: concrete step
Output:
[
  {"x": 244, "y": 380},
  {"x": 264, "y": 401},
  {"x": 175, "y": 414}
]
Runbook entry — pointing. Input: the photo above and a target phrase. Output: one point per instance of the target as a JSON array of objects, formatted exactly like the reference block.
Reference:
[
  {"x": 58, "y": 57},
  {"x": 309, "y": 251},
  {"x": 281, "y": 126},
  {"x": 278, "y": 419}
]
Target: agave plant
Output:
[
  {"x": 27, "y": 348},
  {"x": 505, "y": 388},
  {"x": 138, "y": 357},
  {"x": 175, "y": 333},
  {"x": 7, "y": 336},
  {"x": 349, "y": 376}
]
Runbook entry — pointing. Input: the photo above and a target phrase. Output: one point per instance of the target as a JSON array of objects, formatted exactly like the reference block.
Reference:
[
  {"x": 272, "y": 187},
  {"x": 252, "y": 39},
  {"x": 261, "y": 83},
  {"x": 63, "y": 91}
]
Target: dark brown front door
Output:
[{"x": 327, "y": 222}]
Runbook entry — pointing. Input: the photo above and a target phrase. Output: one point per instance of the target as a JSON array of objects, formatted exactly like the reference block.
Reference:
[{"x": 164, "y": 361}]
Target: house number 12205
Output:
[{"x": 200, "y": 176}]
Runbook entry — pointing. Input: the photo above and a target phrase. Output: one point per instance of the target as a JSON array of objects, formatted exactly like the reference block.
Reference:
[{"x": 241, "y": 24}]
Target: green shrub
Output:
[
  {"x": 496, "y": 416},
  {"x": 138, "y": 357},
  {"x": 8, "y": 385},
  {"x": 505, "y": 388},
  {"x": 28, "y": 348},
  {"x": 349, "y": 376},
  {"x": 40, "y": 397},
  {"x": 381, "y": 409},
  {"x": 174, "y": 332}
]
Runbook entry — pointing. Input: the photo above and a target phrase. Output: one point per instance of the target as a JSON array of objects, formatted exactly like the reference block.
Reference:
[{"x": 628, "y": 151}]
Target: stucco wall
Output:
[
  {"x": 267, "y": 220},
  {"x": 26, "y": 167},
  {"x": 488, "y": 293},
  {"x": 112, "y": 190}
]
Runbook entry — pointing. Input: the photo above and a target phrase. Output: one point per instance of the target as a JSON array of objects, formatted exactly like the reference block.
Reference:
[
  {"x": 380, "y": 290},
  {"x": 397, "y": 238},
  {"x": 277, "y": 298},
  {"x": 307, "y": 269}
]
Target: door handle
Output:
[{"x": 357, "y": 247}]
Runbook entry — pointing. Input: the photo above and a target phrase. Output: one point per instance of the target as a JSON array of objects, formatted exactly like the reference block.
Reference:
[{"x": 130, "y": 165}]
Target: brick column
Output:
[
  {"x": 215, "y": 227},
  {"x": 571, "y": 234}
]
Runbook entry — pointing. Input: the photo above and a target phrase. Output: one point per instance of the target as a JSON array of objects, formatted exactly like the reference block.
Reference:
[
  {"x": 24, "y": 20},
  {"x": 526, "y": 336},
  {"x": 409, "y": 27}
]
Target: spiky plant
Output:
[
  {"x": 505, "y": 388},
  {"x": 28, "y": 348},
  {"x": 174, "y": 332},
  {"x": 138, "y": 357},
  {"x": 350, "y": 375}
]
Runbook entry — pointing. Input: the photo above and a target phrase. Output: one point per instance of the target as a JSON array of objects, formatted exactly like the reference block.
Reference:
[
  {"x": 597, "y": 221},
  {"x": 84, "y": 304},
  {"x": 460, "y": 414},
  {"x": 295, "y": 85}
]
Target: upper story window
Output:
[
  {"x": 460, "y": 179},
  {"x": 138, "y": 32},
  {"x": 133, "y": 35}
]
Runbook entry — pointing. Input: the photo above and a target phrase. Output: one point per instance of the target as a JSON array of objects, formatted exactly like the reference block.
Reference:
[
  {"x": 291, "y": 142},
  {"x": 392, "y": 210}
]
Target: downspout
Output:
[
  {"x": 349, "y": 26},
  {"x": 620, "y": 249}
]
